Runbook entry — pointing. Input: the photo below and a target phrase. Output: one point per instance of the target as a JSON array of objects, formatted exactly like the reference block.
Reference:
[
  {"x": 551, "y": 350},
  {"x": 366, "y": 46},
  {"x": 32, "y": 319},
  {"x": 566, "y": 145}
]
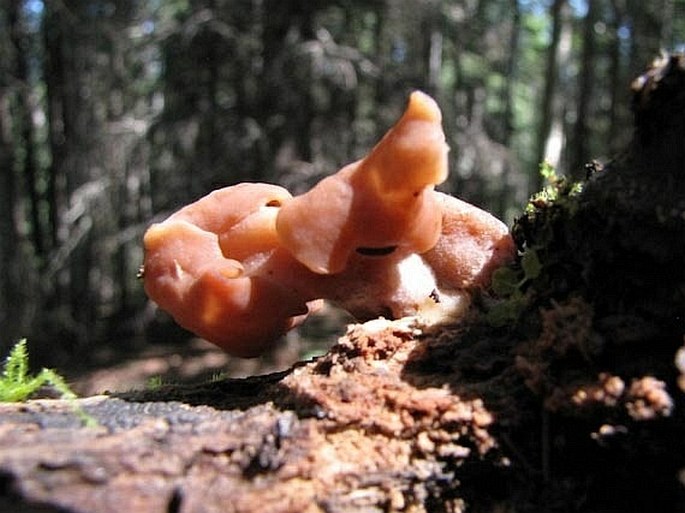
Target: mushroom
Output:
[
  {"x": 472, "y": 245},
  {"x": 200, "y": 267},
  {"x": 246, "y": 263},
  {"x": 436, "y": 285},
  {"x": 381, "y": 204}
]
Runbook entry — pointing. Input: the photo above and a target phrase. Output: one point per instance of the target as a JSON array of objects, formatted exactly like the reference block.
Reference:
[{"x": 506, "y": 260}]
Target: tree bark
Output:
[
  {"x": 576, "y": 405},
  {"x": 617, "y": 112},
  {"x": 17, "y": 279},
  {"x": 9, "y": 305},
  {"x": 581, "y": 131},
  {"x": 551, "y": 80},
  {"x": 29, "y": 169},
  {"x": 508, "y": 121}
]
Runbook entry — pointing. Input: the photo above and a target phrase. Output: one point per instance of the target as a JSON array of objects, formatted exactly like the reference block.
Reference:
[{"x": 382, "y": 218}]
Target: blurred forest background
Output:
[{"x": 113, "y": 113}]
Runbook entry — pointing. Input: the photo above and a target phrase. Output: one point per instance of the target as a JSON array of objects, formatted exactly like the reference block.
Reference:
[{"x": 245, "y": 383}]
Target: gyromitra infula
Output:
[{"x": 246, "y": 263}]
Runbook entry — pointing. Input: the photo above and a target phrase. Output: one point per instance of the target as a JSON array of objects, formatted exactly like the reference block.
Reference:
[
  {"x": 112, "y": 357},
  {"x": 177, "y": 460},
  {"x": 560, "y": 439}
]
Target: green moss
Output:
[
  {"x": 555, "y": 188},
  {"x": 17, "y": 385},
  {"x": 154, "y": 382},
  {"x": 537, "y": 234}
]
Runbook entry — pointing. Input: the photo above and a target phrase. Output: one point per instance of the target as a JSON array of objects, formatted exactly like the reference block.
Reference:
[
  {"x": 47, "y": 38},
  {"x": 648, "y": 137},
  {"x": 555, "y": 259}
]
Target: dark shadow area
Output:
[{"x": 223, "y": 394}]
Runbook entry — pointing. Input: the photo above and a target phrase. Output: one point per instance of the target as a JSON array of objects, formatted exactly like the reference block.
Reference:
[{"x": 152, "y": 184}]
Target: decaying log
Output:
[
  {"x": 365, "y": 428},
  {"x": 575, "y": 404}
]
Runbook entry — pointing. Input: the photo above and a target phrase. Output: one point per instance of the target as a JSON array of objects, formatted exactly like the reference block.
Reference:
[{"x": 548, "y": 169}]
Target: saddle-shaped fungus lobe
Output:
[
  {"x": 472, "y": 245},
  {"x": 246, "y": 263},
  {"x": 380, "y": 204},
  {"x": 206, "y": 286}
]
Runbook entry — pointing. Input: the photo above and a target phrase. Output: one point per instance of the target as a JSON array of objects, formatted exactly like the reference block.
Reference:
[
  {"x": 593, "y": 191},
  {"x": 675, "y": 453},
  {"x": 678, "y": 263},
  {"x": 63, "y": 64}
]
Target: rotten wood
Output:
[{"x": 356, "y": 430}]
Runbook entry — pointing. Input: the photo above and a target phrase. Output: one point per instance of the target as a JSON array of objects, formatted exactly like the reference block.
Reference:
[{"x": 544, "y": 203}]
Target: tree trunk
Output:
[
  {"x": 433, "y": 43},
  {"x": 617, "y": 113},
  {"x": 8, "y": 235},
  {"x": 17, "y": 278},
  {"x": 58, "y": 129},
  {"x": 10, "y": 301},
  {"x": 581, "y": 131},
  {"x": 551, "y": 80},
  {"x": 510, "y": 75},
  {"x": 24, "y": 108}
]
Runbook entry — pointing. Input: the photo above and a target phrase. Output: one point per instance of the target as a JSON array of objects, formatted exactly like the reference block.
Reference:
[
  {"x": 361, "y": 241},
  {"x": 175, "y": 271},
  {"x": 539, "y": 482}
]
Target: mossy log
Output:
[{"x": 575, "y": 404}]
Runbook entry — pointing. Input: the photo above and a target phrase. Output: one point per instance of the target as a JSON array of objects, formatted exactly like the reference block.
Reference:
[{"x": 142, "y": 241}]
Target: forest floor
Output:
[{"x": 194, "y": 360}]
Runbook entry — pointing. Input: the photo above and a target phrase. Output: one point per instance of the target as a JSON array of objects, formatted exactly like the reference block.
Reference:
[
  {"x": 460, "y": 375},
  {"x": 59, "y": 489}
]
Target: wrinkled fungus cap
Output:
[
  {"x": 244, "y": 264},
  {"x": 198, "y": 268}
]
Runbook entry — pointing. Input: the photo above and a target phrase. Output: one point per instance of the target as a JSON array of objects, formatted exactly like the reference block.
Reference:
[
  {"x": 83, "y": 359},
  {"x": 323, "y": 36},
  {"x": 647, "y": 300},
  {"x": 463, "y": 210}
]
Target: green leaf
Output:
[
  {"x": 506, "y": 312},
  {"x": 548, "y": 172},
  {"x": 154, "y": 382},
  {"x": 57, "y": 382},
  {"x": 17, "y": 363},
  {"x": 505, "y": 281},
  {"x": 530, "y": 262}
]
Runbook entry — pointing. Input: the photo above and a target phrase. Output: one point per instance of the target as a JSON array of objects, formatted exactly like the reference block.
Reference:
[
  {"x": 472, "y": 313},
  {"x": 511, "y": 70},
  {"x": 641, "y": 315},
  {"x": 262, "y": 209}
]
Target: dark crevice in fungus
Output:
[
  {"x": 384, "y": 251},
  {"x": 175, "y": 501}
]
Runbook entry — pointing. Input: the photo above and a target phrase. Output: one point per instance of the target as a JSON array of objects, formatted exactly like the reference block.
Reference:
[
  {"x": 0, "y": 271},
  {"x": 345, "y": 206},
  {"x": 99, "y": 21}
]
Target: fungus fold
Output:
[
  {"x": 246, "y": 263},
  {"x": 383, "y": 200}
]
